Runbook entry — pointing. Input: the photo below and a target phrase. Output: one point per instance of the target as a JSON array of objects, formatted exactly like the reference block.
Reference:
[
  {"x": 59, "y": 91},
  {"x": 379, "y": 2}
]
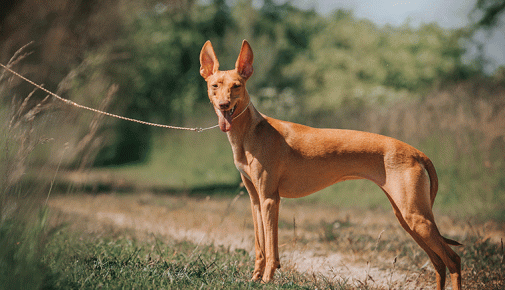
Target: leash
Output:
[{"x": 69, "y": 102}]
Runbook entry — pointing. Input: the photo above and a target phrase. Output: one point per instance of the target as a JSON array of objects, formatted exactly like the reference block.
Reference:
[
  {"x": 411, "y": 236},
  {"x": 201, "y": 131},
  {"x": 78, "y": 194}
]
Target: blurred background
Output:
[{"x": 430, "y": 73}]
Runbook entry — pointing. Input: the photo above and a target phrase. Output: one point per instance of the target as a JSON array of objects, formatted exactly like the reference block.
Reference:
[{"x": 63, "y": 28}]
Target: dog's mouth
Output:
[{"x": 226, "y": 118}]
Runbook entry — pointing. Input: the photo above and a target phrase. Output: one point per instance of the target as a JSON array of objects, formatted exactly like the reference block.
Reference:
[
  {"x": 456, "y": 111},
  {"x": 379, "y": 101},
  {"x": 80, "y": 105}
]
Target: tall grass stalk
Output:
[
  {"x": 23, "y": 222},
  {"x": 24, "y": 211},
  {"x": 55, "y": 174}
]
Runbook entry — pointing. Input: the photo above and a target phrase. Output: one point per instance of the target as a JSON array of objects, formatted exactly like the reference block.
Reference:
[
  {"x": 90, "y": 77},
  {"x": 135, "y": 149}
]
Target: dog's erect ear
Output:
[
  {"x": 245, "y": 60},
  {"x": 208, "y": 61}
]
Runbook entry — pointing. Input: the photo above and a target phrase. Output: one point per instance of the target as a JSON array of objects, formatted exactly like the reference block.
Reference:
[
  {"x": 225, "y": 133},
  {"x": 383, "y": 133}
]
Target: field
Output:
[
  {"x": 204, "y": 242},
  {"x": 175, "y": 217},
  {"x": 148, "y": 226},
  {"x": 180, "y": 220}
]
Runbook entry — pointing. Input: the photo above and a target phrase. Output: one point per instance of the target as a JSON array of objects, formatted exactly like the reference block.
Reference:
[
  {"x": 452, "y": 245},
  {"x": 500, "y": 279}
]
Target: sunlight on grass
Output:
[
  {"x": 185, "y": 159},
  {"x": 350, "y": 194},
  {"x": 115, "y": 262}
]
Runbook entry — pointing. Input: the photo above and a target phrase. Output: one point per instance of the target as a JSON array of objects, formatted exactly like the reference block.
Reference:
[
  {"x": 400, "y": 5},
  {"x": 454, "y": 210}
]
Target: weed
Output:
[{"x": 483, "y": 264}]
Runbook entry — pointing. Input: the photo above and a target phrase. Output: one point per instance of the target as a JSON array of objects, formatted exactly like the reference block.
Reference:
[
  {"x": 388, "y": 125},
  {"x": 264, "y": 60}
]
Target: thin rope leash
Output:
[{"x": 197, "y": 129}]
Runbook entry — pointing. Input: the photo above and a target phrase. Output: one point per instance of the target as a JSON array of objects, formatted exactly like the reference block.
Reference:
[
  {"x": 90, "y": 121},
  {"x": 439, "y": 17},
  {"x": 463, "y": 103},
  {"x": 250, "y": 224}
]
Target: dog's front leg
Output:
[
  {"x": 259, "y": 236},
  {"x": 270, "y": 218}
]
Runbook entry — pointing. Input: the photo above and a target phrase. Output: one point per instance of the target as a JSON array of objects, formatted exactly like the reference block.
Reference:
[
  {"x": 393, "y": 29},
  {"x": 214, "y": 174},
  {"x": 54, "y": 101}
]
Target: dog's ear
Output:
[
  {"x": 208, "y": 61},
  {"x": 245, "y": 60}
]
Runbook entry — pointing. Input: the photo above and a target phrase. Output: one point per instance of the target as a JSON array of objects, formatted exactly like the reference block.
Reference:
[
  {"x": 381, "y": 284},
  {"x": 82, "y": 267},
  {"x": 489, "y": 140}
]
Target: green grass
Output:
[
  {"x": 76, "y": 261},
  {"x": 468, "y": 185},
  {"x": 37, "y": 255},
  {"x": 360, "y": 194},
  {"x": 471, "y": 184},
  {"x": 185, "y": 159},
  {"x": 22, "y": 239},
  {"x": 467, "y": 188}
]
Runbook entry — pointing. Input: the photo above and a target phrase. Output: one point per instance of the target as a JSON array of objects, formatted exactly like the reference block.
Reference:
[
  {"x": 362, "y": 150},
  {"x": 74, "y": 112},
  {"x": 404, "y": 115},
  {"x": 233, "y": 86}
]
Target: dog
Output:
[{"x": 283, "y": 159}]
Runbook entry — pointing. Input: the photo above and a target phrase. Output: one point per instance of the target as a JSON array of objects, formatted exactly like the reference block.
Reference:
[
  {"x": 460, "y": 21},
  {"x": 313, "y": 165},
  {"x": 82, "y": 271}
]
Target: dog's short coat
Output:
[{"x": 282, "y": 159}]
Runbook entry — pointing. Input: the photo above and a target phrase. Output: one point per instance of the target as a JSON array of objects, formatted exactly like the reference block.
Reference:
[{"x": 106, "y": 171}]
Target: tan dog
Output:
[{"x": 282, "y": 159}]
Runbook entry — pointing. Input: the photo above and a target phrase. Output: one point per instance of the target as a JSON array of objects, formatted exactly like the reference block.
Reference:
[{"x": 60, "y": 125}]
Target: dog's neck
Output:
[{"x": 243, "y": 123}]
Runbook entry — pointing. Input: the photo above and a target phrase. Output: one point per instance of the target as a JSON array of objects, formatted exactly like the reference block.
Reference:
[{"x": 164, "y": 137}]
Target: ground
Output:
[{"x": 362, "y": 247}]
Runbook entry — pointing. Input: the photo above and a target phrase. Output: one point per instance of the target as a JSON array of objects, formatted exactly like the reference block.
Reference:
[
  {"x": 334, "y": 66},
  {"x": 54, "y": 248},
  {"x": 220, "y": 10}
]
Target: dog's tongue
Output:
[{"x": 225, "y": 121}]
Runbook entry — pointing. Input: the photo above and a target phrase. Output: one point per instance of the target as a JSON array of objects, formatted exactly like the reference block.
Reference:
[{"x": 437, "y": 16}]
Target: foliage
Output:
[
  {"x": 356, "y": 63},
  {"x": 314, "y": 63},
  {"x": 491, "y": 11},
  {"x": 305, "y": 64}
]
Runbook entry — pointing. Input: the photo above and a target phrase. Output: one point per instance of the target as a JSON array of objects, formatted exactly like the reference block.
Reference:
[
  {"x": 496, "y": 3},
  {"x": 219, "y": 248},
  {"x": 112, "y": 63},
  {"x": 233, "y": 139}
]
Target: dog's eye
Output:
[
  {"x": 215, "y": 86},
  {"x": 236, "y": 86}
]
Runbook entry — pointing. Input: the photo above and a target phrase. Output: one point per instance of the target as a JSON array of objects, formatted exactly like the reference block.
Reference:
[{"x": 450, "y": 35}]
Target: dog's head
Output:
[{"x": 226, "y": 89}]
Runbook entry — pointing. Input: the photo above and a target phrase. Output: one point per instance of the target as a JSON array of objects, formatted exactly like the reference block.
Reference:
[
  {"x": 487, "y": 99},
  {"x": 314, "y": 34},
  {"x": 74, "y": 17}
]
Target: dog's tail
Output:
[
  {"x": 451, "y": 242},
  {"x": 432, "y": 173}
]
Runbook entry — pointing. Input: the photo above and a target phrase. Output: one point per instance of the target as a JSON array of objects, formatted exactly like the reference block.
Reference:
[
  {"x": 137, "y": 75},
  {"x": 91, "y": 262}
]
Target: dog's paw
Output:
[{"x": 256, "y": 277}]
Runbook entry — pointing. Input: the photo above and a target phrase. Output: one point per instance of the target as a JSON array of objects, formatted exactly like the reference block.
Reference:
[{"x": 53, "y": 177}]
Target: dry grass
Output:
[
  {"x": 357, "y": 248},
  {"x": 23, "y": 216}
]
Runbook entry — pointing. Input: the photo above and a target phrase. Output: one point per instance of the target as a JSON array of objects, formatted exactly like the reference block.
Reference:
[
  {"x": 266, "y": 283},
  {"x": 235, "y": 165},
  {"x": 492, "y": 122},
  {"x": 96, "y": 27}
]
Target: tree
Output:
[
  {"x": 354, "y": 62},
  {"x": 490, "y": 11}
]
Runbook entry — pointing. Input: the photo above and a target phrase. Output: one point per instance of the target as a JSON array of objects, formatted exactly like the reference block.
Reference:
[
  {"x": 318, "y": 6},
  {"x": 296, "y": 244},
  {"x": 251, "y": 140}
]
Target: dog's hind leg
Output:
[
  {"x": 437, "y": 262},
  {"x": 409, "y": 195},
  {"x": 427, "y": 231}
]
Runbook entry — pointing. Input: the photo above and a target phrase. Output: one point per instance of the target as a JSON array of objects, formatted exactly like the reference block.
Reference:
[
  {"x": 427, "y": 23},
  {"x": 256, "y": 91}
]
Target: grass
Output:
[
  {"x": 34, "y": 255},
  {"x": 467, "y": 187},
  {"x": 21, "y": 248},
  {"x": 188, "y": 160},
  {"x": 38, "y": 253},
  {"x": 184, "y": 159},
  {"x": 484, "y": 264},
  {"x": 120, "y": 261},
  {"x": 54, "y": 252}
]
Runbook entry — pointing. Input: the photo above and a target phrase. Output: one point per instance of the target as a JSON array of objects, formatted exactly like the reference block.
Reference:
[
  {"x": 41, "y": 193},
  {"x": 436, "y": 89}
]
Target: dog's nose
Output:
[{"x": 224, "y": 105}]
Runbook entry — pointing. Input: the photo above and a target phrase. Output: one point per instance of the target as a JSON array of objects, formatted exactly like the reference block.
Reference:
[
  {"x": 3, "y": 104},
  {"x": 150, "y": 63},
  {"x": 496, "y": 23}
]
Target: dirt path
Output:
[{"x": 361, "y": 247}]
